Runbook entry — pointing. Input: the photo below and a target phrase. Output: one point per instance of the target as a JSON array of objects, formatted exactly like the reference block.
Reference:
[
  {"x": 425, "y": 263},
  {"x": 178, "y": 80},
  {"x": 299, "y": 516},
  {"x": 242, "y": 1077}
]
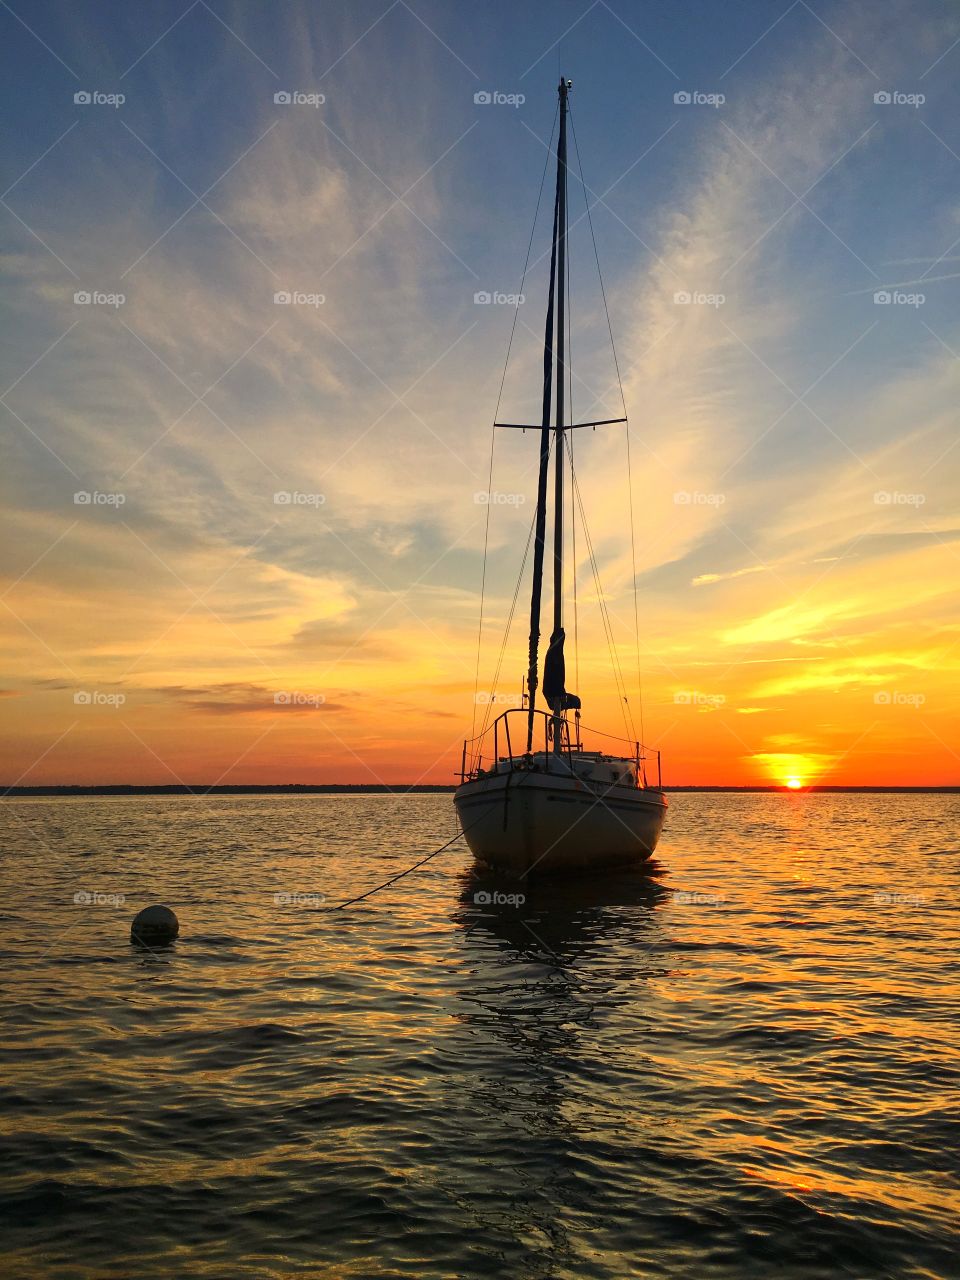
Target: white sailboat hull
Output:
[{"x": 524, "y": 822}]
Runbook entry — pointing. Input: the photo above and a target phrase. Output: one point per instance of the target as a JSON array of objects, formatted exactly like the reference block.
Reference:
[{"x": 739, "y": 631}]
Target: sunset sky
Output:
[{"x": 796, "y": 464}]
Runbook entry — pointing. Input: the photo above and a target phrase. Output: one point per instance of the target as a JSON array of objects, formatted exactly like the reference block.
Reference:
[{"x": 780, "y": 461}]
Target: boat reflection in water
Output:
[
  {"x": 561, "y": 919},
  {"x": 546, "y": 1027}
]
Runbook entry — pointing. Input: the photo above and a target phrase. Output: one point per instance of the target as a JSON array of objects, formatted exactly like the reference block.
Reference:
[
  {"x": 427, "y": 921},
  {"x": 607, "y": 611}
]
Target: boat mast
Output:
[
  {"x": 561, "y": 380},
  {"x": 558, "y": 249}
]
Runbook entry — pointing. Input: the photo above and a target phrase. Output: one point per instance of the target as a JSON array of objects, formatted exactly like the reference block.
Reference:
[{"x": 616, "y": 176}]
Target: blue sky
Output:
[{"x": 796, "y": 399}]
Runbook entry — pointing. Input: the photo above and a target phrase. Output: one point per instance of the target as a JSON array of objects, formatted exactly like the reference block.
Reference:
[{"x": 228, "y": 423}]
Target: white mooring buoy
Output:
[{"x": 154, "y": 926}]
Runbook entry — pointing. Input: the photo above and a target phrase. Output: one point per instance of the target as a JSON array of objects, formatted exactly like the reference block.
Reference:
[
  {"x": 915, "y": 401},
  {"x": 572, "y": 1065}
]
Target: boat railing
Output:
[{"x": 542, "y": 757}]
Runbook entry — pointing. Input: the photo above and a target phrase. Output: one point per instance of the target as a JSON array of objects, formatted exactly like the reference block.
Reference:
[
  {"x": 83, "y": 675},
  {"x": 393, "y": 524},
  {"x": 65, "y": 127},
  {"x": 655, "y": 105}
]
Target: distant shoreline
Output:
[{"x": 363, "y": 788}]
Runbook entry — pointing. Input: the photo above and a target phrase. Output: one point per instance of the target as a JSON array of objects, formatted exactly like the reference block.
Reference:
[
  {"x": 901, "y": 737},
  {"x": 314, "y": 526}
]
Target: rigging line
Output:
[
  {"x": 573, "y": 508},
  {"x": 607, "y": 622},
  {"x": 483, "y": 583},
  {"x": 603, "y": 292},
  {"x": 626, "y": 711},
  {"x": 509, "y": 623},
  {"x": 633, "y": 571},
  {"x": 513, "y": 606},
  {"x": 526, "y": 263},
  {"x": 506, "y": 634},
  {"x": 493, "y": 430},
  {"x": 616, "y": 363}
]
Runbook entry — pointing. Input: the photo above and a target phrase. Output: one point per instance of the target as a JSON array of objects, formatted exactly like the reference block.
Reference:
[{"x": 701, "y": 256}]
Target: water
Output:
[{"x": 741, "y": 1066}]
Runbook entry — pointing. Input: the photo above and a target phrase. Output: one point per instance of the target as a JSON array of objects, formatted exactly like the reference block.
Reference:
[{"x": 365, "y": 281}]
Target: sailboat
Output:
[{"x": 533, "y": 798}]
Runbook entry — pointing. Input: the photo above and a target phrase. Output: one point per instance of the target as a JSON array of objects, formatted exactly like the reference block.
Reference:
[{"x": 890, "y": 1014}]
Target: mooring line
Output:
[{"x": 386, "y": 884}]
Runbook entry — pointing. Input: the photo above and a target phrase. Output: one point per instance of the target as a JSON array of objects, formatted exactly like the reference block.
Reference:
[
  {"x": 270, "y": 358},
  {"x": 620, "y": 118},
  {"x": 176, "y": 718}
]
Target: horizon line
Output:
[{"x": 55, "y": 789}]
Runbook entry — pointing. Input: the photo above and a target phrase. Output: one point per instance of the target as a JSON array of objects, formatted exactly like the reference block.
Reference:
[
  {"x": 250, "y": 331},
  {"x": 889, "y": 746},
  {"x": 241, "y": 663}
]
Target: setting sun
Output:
[{"x": 795, "y": 784}]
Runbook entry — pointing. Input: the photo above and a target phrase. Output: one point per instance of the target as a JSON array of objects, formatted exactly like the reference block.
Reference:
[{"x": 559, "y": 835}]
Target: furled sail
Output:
[{"x": 555, "y": 675}]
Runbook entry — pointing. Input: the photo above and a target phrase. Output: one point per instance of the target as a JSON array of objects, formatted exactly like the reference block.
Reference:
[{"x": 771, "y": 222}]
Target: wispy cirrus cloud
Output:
[{"x": 765, "y": 425}]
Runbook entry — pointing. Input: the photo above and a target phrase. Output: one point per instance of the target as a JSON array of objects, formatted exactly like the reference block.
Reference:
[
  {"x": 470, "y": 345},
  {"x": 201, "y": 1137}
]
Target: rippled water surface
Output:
[{"x": 744, "y": 1064}]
